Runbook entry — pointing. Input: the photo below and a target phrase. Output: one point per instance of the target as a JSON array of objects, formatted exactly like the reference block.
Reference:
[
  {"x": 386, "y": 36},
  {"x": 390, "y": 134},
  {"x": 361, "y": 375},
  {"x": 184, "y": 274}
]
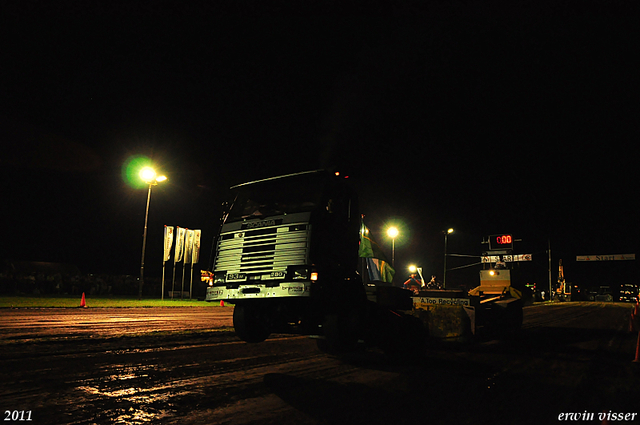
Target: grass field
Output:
[{"x": 97, "y": 301}]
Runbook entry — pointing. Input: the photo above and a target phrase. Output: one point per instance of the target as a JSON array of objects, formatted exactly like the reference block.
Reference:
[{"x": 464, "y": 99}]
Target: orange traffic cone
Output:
[
  {"x": 83, "y": 303},
  {"x": 221, "y": 303}
]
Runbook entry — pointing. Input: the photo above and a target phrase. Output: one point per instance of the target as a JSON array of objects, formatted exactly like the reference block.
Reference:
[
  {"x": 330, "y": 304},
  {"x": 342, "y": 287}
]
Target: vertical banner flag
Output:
[
  {"x": 188, "y": 246},
  {"x": 377, "y": 264},
  {"x": 168, "y": 242},
  {"x": 186, "y": 255},
  {"x": 179, "y": 244},
  {"x": 195, "y": 255}
]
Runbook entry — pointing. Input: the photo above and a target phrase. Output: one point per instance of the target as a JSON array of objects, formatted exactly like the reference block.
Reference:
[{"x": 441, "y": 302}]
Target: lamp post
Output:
[
  {"x": 148, "y": 175},
  {"x": 393, "y": 232},
  {"x": 444, "y": 276}
]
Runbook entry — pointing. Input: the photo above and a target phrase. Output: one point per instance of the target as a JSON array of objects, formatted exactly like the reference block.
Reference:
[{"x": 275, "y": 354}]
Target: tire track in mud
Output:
[
  {"x": 563, "y": 350},
  {"x": 542, "y": 315},
  {"x": 147, "y": 379},
  {"x": 164, "y": 389},
  {"x": 199, "y": 376}
]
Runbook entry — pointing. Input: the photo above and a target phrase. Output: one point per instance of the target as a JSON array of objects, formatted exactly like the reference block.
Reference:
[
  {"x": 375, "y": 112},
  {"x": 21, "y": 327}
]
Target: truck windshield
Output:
[{"x": 286, "y": 195}]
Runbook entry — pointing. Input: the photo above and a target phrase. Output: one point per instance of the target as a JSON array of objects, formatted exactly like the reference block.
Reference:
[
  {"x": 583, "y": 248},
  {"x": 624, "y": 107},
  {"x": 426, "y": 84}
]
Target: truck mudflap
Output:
[{"x": 258, "y": 291}]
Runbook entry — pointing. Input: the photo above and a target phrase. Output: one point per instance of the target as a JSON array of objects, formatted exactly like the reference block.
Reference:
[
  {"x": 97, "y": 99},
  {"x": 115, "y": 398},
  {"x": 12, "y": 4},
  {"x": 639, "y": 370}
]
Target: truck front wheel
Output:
[{"x": 251, "y": 323}]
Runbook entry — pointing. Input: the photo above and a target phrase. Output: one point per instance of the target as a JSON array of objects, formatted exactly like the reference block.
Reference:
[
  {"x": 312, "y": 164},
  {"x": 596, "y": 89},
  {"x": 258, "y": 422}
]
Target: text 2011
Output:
[{"x": 17, "y": 415}]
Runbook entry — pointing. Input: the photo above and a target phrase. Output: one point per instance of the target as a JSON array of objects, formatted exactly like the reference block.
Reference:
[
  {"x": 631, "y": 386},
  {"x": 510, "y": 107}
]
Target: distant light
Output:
[
  {"x": 337, "y": 173},
  {"x": 392, "y": 232},
  {"x": 413, "y": 268},
  {"x": 450, "y": 230},
  {"x": 492, "y": 272},
  {"x": 147, "y": 174}
]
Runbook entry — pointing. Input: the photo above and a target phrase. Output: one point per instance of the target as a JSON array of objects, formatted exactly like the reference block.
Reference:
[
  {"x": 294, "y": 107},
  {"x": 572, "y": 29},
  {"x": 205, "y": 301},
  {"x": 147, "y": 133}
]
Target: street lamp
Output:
[
  {"x": 444, "y": 276},
  {"x": 148, "y": 175},
  {"x": 413, "y": 269},
  {"x": 393, "y": 232}
]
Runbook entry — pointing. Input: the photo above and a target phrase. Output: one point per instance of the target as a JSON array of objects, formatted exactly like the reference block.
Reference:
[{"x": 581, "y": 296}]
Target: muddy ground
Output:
[{"x": 186, "y": 366}]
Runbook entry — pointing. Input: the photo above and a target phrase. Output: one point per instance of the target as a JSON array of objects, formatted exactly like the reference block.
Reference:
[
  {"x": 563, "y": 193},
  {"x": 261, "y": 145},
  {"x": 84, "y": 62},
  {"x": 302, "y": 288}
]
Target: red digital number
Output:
[{"x": 504, "y": 239}]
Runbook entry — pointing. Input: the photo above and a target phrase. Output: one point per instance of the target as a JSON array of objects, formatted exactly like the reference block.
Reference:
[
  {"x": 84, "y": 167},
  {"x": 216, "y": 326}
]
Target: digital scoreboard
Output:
[{"x": 503, "y": 241}]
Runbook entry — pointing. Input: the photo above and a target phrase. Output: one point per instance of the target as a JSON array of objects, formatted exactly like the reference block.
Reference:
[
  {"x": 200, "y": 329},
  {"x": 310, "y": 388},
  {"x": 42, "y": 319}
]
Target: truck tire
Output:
[
  {"x": 340, "y": 333},
  {"x": 515, "y": 318},
  {"x": 250, "y": 322},
  {"x": 507, "y": 323},
  {"x": 404, "y": 339}
]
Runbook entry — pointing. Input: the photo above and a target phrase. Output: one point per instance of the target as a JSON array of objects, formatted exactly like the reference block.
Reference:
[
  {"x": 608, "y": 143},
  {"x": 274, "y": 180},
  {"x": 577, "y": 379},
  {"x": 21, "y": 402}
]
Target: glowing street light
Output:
[
  {"x": 149, "y": 176},
  {"x": 393, "y": 232},
  {"x": 444, "y": 276},
  {"x": 413, "y": 269}
]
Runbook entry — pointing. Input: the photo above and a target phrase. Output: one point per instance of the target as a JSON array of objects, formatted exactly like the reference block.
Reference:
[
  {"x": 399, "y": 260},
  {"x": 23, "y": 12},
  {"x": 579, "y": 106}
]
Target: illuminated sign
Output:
[
  {"x": 500, "y": 242},
  {"x": 425, "y": 302},
  {"x": 618, "y": 257},
  {"x": 506, "y": 258}
]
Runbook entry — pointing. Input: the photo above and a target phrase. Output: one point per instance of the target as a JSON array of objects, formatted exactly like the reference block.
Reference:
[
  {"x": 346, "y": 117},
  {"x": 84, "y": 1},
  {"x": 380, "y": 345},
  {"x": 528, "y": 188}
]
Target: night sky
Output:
[{"x": 516, "y": 117}]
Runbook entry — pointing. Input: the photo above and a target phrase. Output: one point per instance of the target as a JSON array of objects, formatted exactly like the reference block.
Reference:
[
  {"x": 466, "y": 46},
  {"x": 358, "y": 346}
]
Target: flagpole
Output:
[
  {"x": 162, "y": 293},
  {"x": 184, "y": 266},
  {"x": 173, "y": 282},
  {"x": 365, "y": 273},
  {"x": 191, "y": 284}
]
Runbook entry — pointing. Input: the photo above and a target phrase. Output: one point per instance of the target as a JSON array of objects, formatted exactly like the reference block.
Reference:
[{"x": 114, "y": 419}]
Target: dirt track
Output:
[
  {"x": 187, "y": 366},
  {"x": 20, "y": 324}
]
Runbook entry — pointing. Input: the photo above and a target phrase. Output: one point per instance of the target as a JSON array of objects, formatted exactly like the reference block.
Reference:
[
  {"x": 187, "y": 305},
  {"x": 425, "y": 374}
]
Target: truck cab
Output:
[{"x": 287, "y": 253}]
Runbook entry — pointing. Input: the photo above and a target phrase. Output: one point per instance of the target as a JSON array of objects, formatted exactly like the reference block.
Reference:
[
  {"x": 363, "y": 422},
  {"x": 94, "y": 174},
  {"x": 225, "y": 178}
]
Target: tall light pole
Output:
[
  {"x": 393, "y": 232},
  {"x": 148, "y": 175},
  {"x": 444, "y": 276}
]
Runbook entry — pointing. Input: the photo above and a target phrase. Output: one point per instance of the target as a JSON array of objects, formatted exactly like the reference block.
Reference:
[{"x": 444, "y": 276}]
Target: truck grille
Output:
[{"x": 263, "y": 251}]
